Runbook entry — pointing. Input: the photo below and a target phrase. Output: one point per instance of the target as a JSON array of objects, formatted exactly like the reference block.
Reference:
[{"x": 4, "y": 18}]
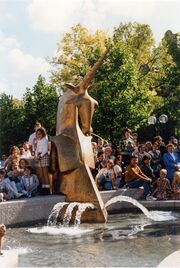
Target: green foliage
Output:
[
  {"x": 124, "y": 101},
  {"x": 17, "y": 118},
  {"x": 122, "y": 88},
  {"x": 76, "y": 54},
  {"x": 11, "y": 122},
  {"x": 40, "y": 104},
  {"x": 168, "y": 79}
]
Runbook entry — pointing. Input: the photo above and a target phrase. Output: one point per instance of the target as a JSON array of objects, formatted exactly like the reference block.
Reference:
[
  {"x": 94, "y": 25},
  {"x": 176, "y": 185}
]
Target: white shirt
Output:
[
  {"x": 42, "y": 147},
  {"x": 26, "y": 154},
  {"x": 117, "y": 169},
  {"x": 106, "y": 172},
  {"x": 32, "y": 141}
]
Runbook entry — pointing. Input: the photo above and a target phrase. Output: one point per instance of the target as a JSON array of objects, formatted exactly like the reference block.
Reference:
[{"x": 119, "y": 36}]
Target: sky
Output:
[{"x": 31, "y": 29}]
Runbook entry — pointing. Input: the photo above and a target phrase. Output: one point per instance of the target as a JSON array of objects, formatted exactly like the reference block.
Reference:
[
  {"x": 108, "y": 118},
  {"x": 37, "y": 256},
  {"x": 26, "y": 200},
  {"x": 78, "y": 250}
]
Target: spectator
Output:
[
  {"x": 148, "y": 145},
  {"x": 26, "y": 151},
  {"x": 127, "y": 146},
  {"x": 14, "y": 156},
  {"x": 162, "y": 186},
  {"x": 135, "y": 178},
  {"x": 33, "y": 139},
  {"x": 176, "y": 186},
  {"x": 140, "y": 153},
  {"x": 172, "y": 161},
  {"x": 146, "y": 167},
  {"x": 156, "y": 159},
  {"x": 94, "y": 147},
  {"x": 98, "y": 164},
  {"x": 15, "y": 166},
  {"x": 29, "y": 182},
  {"x": 119, "y": 171},
  {"x": 105, "y": 177},
  {"x": 173, "y": 140},
  {"x": 42, "y": 160},
  {"x": 3, "y": 160},
  {"x": 108, "y": 155},
  {"x": 21, "y": 151},
  {"x": 161, "y": 145},
  {"x": 8, "y": 191},
  {"x": 23, "y": 163},
  {"x": 16, "y": 180},
  {"x": 100, "y": 145}
]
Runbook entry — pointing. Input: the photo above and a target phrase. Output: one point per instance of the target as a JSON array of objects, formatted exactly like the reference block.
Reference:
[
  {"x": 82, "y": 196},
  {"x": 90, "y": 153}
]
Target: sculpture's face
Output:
[
  {"x": 86, "y": 110},
  {"x": 86, "y": 106}
]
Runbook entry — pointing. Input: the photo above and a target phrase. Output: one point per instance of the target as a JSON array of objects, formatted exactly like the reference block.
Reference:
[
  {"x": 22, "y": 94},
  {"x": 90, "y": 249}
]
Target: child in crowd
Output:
[
  {"x": 42, "y": 160},
  {"x": 105, "y": 177},
  {"x": 162, "y": 186},
  {"x": 26, "y": 151},
  {"x": 29, "y": 182},
  {"x": 23, "y": 163},
  {"x": 176, "y": 186},
  {"x": 119, "y": 171},
  {"x": 8, "y": 191},
  {"x": 16, "y": 179},
  {"x": 15, "y": 166}
]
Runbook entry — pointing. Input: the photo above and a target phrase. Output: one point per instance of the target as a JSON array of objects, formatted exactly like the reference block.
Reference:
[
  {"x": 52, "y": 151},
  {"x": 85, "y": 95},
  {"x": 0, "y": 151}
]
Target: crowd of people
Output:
[
  {"x": 151, "y": 165},
  {"x": 25, "y": 171}
]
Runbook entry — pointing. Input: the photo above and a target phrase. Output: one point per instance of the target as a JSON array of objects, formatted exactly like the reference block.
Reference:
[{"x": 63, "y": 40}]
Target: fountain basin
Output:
[
  {"x": 24, "y": 212},
  {"x": 127, "y": 240}
]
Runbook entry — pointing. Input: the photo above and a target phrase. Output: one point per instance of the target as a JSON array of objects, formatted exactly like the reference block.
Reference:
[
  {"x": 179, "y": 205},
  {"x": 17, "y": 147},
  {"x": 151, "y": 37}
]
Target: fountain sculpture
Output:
[{"x": 72, "y": 155}]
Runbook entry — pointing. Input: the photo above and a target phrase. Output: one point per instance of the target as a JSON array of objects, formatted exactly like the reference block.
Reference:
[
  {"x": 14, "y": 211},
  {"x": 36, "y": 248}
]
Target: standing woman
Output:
[{"x": 42, "y": 160}]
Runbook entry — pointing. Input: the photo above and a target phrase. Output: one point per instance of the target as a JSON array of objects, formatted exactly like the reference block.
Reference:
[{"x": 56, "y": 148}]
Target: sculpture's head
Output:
[{"x": 86, "y": 106}]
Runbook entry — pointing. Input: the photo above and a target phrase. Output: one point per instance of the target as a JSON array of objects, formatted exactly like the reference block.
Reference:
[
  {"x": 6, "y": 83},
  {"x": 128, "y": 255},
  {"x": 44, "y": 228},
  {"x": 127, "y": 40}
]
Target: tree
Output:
[
  {"x": 11, "y": 122},
  {"x": 122, "y": 85},
  {"x": 40, "y": 104},
  {"x": 168, "y": 80},
  {"x": 17, "y": 117},
  {"x": 76, "y": 53}
]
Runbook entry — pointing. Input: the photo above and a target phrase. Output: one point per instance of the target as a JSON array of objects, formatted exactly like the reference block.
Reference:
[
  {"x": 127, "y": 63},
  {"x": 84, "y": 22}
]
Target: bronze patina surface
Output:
[{"x": 72, "y": 154}]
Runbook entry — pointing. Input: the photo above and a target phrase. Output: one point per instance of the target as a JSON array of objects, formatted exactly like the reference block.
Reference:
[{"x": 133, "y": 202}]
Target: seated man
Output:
[{"x": 135, "y": 178}]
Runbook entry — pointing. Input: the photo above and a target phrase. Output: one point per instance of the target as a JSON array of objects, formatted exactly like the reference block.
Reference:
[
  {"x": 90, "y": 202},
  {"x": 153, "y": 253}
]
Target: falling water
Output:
[
  {"x": 68, "y": 213},
  {"x": 53, "y": 217},
  {"x": 81, "y": 208},
  {"x": 153, "y": 215},
  {"x": 130, "y": 200}
]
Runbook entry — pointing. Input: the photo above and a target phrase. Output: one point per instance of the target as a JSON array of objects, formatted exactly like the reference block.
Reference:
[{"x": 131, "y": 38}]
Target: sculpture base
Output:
[{"x": 78, "y": 185}]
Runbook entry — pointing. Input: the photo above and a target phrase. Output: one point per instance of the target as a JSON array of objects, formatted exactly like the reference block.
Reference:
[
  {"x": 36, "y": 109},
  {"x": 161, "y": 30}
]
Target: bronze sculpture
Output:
[{"x": 72, "y": 155}]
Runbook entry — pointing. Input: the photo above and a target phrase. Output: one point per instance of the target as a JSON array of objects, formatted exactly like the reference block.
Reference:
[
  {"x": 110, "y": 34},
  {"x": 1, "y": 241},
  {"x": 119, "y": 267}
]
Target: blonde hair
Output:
[
  {"x": 164, "y": 171},
  {"x": 176, "y": 178}
]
